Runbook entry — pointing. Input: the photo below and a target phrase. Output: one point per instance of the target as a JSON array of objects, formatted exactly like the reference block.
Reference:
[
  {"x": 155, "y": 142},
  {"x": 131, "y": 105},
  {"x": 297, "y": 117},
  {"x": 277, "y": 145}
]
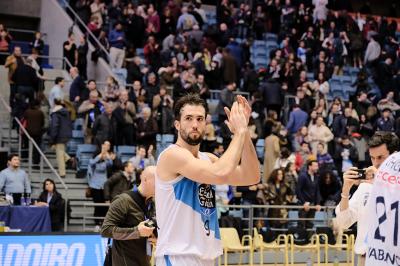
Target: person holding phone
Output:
[{"x": 352, "y": 210}]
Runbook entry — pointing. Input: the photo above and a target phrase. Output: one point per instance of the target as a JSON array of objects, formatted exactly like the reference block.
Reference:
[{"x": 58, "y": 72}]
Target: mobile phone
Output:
[{"x": 361, "y": 174}]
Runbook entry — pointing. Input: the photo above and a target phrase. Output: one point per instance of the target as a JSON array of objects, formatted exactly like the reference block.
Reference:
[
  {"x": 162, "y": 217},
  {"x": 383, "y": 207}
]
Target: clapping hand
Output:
[{"x": 239, "y": 115}]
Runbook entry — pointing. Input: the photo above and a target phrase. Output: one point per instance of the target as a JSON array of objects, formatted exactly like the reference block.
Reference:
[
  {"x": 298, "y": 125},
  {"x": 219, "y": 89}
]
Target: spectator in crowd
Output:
[
  {"x": 385, "y": 122},
  {"x": 70, "y": 51},
  {"x": 227, "y": 97},
  {"x": 97, "y": 176},
  {"x": 60, "y": 132},
  {"x": 26, "y": 80},
  {"x": 284, "y": 158},
  {"x": 229, "y": 67},
  {"x": 77, "y": 87},
  {"x": 186, "y": 21},
  {"x": 308, "y": 193},
  {"x": 14, "y": 180},
  {"x": 319, "y": 133},
  {"x": 297, "y": 119},
  {"x": 104, "y": 127},
  {"x": 302, "y": 156},
  {"x": 277, "y": 192},
  {"x": 91, "y": 109},
  {"x": 119, "y": 182},
  {"x": 97, "y": 9},
  {"x": 82, "y": 51},
  {"x": 146, "y": 129},
  {"x": 163, "y": 109},
  {"x": 117, "y": 45},
  {"x": 128, "y": 229},
  {"x": 34, "y": 118},
  {"x": 125, "y": 117},
  {"x": 345, "y": 154},
  {"x": 37, "y": 43},
  {"x": 111, "y": 90},
  {"x": 142, "y": 159},
  {"x": 56, "y": 91},
  {"x": 330, "y": 189},
  {"x": 152, "y": 88},
  {"x": 4, "y": 45},
  {"x": 51, "y": 198},
  {"x": 272, "y": 151},
  {"x": 325, "y": 160}
]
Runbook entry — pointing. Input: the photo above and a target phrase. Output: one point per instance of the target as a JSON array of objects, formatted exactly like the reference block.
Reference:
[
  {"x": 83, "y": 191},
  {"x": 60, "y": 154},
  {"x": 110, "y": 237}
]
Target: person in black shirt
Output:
[
  {"x": 53, "y": 199},
  {"x": 70, "y": 51}
]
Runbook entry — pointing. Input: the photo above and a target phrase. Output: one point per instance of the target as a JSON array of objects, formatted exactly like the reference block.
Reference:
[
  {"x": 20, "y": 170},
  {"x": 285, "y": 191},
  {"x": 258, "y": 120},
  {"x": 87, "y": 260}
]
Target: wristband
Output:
[{"x": 344, "y": 196}]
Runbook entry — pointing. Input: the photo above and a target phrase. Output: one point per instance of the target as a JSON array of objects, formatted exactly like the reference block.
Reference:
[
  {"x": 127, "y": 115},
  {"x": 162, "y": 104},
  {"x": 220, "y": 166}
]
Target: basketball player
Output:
[
  {"x": 185, "y": 197},
  {"x": 350, "y": 211}
]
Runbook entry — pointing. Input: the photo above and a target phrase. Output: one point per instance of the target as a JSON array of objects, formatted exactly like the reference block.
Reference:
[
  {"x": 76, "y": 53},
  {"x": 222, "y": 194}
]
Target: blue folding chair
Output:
[{"x": 260, "y": 149}]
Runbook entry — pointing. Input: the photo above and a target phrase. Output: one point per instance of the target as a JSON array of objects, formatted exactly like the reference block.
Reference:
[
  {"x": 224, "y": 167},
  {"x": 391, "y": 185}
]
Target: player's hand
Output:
[
  {"x": 246, "y": 106},
  {"x": 350, "y": 178},
  {"x": 236, "y": 118},
  {"x": 145, "y": 231},
  {"x": 370, "y": 173}
]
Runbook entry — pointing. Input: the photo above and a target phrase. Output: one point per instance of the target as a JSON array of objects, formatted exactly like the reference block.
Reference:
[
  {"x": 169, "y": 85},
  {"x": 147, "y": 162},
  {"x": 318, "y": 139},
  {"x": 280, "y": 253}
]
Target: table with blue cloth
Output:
[{"x": 26, "y": 218}]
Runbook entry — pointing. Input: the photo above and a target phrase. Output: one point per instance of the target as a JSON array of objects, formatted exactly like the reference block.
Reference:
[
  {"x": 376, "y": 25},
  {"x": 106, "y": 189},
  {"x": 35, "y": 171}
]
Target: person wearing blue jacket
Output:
[
  {"x": 97, "y": 176},
  {"x": 117, "y": 41},
  {"x": 60, "y": 132}
]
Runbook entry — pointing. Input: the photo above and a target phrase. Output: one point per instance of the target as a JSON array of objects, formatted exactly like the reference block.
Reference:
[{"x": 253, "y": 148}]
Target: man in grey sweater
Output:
[{"x": 14, "y": 180}]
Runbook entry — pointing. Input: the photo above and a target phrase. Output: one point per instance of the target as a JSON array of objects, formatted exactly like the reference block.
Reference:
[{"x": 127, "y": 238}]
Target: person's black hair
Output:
[
  {"x": 382, "y": 137},
  {"x": 285, "y": 153},
  {"x": 51, "y": 181},
  {"x": 189, "y": 99},
  {"x": 125, "y": 164},
  {"x": 91, "y": 80},
  {"x": 58, "y": 102},
  {"x": 58, "y": 80},
  {"x": 310, "y": 162},
  {"x": 274, "y": 175},
  {"x": 11, "y": 156}
]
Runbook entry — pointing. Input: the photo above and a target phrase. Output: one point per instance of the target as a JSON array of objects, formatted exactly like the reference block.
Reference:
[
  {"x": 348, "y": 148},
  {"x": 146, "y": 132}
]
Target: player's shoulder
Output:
[{"x": 172, "y": 154}]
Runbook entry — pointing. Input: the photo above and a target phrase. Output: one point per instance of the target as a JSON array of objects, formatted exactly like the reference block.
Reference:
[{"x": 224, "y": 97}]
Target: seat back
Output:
[
  {"x": 257, "y": 239},
  {"x": 229, "y": 237}
]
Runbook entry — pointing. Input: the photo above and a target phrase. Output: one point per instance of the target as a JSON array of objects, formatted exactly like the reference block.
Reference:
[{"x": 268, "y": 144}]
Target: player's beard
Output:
[{"x": 189, "y": 140}]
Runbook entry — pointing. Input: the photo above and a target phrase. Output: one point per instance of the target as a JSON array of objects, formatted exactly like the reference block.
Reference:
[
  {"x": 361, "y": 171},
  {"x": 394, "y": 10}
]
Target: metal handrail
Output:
[
  {"x": 45, "y": 56},
  {"x": 250, "y": 217},
  {"x": 77, "y": 18},
  {"x": 43, "y": 157}
]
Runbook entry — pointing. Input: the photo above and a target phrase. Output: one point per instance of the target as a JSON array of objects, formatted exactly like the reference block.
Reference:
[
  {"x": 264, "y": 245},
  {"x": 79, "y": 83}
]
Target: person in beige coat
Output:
[
  {"x": 271, "y": 153},
  {"x": 319, "y": 132}
]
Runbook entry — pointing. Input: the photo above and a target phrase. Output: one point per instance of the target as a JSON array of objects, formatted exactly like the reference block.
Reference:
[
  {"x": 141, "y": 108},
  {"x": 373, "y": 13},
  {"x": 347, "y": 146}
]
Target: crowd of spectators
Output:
[{"x": 306, "y": 148}]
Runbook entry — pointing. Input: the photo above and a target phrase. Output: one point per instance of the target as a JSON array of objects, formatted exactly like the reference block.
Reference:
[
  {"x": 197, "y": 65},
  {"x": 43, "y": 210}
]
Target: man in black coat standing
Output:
[{"x": 77, "y": 87}]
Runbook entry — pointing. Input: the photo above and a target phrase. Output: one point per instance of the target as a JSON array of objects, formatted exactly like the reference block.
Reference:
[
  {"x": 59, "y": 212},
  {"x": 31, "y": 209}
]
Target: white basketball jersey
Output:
[
  {"x": 187, "y": 218},
  {"x": 383, "y": 238}
]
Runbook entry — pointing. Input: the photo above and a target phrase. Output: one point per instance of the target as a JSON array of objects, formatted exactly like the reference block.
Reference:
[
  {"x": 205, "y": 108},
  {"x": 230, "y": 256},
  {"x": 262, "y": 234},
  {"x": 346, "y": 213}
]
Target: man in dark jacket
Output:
[
  {"x": 227, "y": 97},
  {"x": 26, "y": 80},
  {"x": 119, "y": 182},
  {"x": 60, "y": 132},
  {"x": 104, "y": 126},
  {"x": 308, "y": 193},
  {"x": 272, "y": 95},
  {"x": 34, "y": 118},
  {"x": 125, "y": 223},
  {"x": 77, "y": 87}
]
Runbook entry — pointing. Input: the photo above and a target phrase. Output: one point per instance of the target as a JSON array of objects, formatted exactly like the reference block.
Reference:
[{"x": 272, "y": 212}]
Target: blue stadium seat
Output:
[
  {"x": 125, "y": 152},
  {"x": 294, "y": 216},
  {"x": 77, "y": 139},
  {"x": 310, "y": 76},
  {"x": 346, "y": 80},
  {"x": 78, "y": 124},
  {"x": 84, "y": 153},
  {"x": 320, "y": 219},
  {"x": 271, "y": 37}
]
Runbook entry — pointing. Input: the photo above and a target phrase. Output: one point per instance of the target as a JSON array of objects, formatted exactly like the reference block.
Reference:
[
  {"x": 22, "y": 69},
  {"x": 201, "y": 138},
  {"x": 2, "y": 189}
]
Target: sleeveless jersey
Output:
[
  {"x": 383, "y": 238},
  {"x": 187, "y": 218}
]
